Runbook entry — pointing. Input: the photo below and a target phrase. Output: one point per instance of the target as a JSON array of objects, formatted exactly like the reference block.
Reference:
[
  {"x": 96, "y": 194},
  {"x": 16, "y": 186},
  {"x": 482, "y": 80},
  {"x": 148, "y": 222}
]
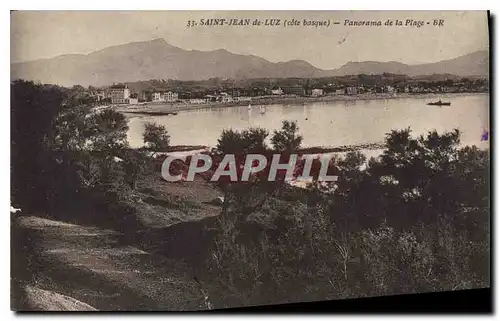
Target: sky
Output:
[{"x": 46, "y": 34}]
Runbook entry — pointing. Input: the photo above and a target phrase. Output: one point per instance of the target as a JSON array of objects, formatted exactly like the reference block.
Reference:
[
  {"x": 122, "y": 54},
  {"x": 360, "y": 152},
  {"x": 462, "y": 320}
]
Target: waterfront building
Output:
[
  {"x": 351, "y": 90},
  {"x": 277, "y": 91},
  {"x": 317, "y": 92},
  {"x": 197, "y": 101},
  {"x": 211, "y": 98},
  {"x": 170, "y": 96},
  {"x": 227, "y": 99},
  {"x": 158, "y": 97},
  {"x": 119, "y": 94},
  {"x": 299, "y": 91}
]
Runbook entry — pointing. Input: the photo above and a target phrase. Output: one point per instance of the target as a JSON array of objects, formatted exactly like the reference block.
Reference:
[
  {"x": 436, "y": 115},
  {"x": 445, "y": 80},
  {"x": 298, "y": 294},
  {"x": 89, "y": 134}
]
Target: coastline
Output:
[
  {"x": 164, "y": 109},
  {"x": 301, "y": 151},
  {"x": 187, "y": 150}
]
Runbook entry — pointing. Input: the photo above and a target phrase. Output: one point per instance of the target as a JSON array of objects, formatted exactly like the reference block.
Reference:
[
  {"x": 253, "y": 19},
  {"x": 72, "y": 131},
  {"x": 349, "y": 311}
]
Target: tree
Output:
[
  {"x": 71, "y": 128},
  {"x": 136, "y": 164},
  {"x": 287, "y": 139},
  {"x": 239, "y": 144},
  {"x": 414, "y": 219},
  {"x": 108, "y": 130},
  {"x": 156, "y": 137},
  {"x": 247, "y": 141},
  {"x": 254, "y": 140},
  {"x": 33, "y": 109}
]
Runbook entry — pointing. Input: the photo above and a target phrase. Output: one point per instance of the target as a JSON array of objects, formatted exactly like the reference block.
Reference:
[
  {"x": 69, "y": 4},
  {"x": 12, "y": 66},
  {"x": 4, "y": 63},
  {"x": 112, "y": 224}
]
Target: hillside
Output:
[
  {"x": 473, "y": 64},
  {"x": 157, "y": 59}
]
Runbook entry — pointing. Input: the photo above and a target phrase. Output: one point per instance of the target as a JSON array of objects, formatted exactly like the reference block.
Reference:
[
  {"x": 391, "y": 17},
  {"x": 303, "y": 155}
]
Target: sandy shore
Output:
[{"x": 159, "y": 109}]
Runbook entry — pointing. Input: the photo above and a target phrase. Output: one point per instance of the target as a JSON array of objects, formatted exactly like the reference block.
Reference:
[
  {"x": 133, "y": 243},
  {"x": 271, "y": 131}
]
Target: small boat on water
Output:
[
  {"x": 439, "y": 103},
  {"x": 249, "y": 106},
  {"x": 262, "y": 109}
]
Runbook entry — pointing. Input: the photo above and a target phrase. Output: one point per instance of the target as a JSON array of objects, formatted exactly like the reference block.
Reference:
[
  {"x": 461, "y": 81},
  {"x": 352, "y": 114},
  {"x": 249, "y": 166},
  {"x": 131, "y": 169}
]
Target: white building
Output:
[
  {"x": 317, "y": 92},
  {"x": 170, "y": 96},
  {"x": 160, "y": 96},
  {"x": 227, "y": 99},
  {"x": 120, "y": 94},
  {"x": 352, "y": 91},
  {"x": 278, "y": 91},
  {"x": 157, "y": 96},
  {"x": 197, "y": 101}
]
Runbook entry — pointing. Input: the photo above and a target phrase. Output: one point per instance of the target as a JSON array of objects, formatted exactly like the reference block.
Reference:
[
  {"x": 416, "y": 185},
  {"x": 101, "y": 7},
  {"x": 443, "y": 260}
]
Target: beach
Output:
[{"x": 158, "y": 109}]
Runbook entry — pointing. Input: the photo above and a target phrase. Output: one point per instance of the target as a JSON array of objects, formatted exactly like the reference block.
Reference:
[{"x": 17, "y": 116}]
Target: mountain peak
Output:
[
  {"x": 154, "y": 45},
  {"x": 157, "y": 43}
]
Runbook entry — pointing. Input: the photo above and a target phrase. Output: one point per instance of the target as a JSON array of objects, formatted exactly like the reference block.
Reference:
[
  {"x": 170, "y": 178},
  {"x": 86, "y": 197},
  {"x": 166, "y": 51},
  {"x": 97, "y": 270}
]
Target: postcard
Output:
[{"x": 208, "y": 160}]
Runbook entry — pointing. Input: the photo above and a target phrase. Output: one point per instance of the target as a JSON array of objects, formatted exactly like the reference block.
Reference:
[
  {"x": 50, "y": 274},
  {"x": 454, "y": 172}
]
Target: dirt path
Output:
[{"x": 92, "y": 266}]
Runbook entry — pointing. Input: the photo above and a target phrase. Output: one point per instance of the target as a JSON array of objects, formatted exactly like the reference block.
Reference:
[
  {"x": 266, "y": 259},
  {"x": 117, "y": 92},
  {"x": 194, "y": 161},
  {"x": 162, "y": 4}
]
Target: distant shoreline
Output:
[
  {"x": 301, "y": 151},
  {"x": 164, "y": 109}
]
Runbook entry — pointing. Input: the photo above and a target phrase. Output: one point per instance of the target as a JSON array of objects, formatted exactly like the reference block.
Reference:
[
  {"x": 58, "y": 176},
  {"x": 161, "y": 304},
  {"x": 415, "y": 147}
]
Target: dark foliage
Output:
[{"x": 416, "y": 219}]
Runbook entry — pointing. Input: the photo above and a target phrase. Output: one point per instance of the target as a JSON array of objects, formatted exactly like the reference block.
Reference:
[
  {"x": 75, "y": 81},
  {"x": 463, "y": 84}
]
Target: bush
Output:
[
  {"x": 156, "y": 137},
  {"x": 399, "y": 224},
  {"x": 287, "y": 139}
]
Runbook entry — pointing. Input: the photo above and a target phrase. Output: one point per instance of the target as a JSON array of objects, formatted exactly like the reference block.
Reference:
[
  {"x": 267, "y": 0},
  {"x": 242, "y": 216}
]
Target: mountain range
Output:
[{"x": 157, "y": 59}]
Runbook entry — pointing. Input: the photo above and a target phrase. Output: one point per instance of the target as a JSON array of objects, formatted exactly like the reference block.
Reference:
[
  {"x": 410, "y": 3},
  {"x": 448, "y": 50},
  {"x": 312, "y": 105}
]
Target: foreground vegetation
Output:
[{"x": 416, "y": 219}]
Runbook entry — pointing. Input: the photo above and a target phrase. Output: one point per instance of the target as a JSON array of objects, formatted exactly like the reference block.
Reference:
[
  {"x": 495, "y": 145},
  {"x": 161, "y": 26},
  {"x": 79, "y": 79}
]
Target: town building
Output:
[
  {"x": 157, "y": 96},
  {"x": 98, "y": 94},
  {"x": 299, "y": 91},
  {"x": 317, "y": 92},
  {"x": 133, "y": 99},
  {"x": 256, "y": 92},
  {"x": 161, "y": 96},
  {"x": 197, "y": 101},
  {"x": 211, "y": 98},
  {"x": 351, "y": 91},
  {"x": 277, "y": 91},
  {"x": 147, "y": 96},
  {"x": 120, "y": 94},
  {"x": 227, "y": 99},
  {"x": 417, "y": 89},
  {"x": 235, "y": 92},
  {"x": 170, "y": 96}
]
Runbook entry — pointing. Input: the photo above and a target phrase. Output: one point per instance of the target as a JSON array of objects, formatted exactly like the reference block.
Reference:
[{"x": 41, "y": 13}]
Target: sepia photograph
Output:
[{"x": 213, "y": 160}]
